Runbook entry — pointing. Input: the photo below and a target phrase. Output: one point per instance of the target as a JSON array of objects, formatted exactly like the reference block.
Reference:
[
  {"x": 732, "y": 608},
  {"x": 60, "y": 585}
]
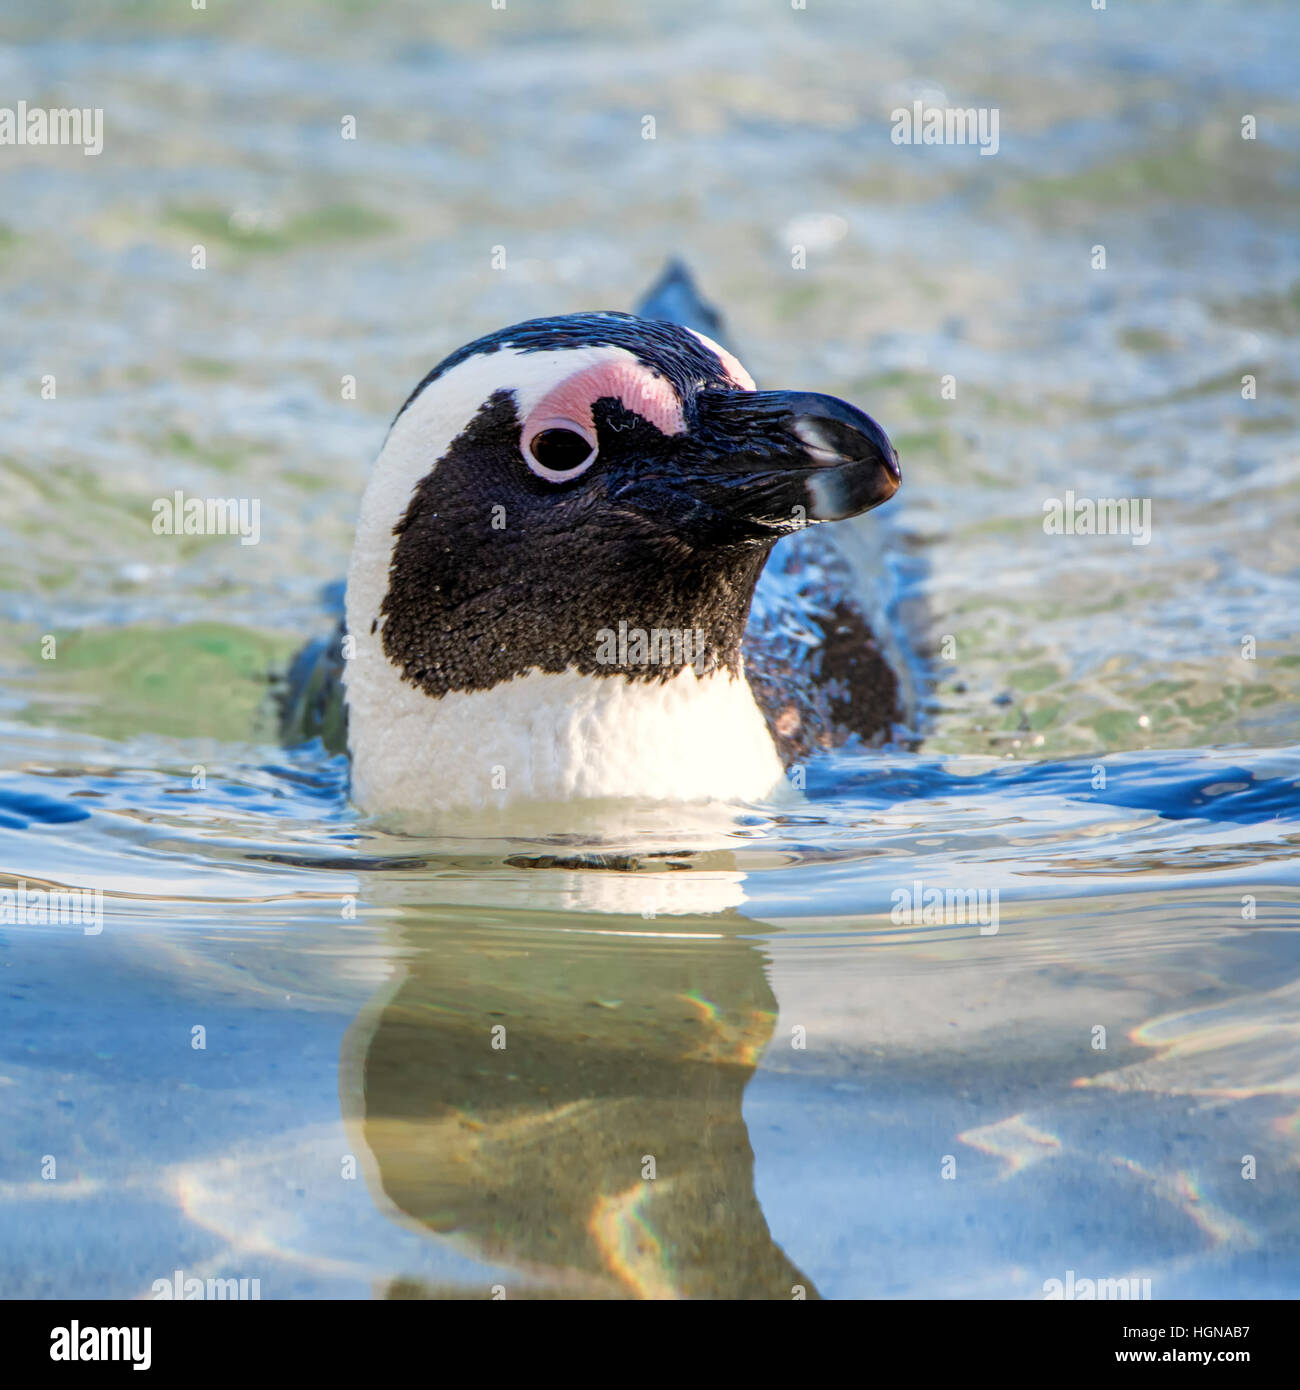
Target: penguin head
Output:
[{"x": 546, "y": 483}]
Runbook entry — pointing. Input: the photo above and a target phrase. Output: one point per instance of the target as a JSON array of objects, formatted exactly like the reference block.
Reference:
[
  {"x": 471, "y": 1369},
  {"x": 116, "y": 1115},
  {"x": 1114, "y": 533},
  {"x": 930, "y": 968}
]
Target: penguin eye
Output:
[{"x": 558, "y": 450}]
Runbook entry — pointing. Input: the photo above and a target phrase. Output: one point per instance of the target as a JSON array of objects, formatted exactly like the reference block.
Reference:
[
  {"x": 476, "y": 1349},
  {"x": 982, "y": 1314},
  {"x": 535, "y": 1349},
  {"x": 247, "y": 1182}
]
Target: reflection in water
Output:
[
  {"x": 638, "y": 1005},
  {"x": 576, "y": 1113}
]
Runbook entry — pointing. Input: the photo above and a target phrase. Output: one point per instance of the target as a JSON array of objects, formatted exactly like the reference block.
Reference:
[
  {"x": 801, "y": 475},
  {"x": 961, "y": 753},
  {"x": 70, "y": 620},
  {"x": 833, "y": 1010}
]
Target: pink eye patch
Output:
[
  {"x": 649, "y": 396},
  {"x": 562, "y": 421}
]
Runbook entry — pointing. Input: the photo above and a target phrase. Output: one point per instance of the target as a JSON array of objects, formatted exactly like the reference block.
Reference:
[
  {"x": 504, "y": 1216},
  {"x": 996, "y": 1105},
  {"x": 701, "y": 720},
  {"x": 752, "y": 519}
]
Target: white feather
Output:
[{"x": 555, "y": 738}]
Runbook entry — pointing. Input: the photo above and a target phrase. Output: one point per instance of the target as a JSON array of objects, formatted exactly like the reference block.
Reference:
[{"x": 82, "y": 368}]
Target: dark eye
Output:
[{"x": 559, "y": 450}]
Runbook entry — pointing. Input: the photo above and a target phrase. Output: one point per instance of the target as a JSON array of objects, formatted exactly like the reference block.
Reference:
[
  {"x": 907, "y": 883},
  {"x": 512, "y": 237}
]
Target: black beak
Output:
[{"x": 778, "y": 460}]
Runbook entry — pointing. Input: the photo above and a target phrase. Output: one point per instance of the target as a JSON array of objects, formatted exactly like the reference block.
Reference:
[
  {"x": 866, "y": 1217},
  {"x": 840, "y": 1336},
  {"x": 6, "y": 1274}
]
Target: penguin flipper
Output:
[
  {"x": 814, "y": 663},
  {"x": 310, "y": 699}
]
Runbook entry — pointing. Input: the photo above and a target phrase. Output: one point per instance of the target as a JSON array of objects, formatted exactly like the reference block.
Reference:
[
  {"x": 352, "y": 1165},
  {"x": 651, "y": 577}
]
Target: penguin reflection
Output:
[{"x": 566, "y": 1100}]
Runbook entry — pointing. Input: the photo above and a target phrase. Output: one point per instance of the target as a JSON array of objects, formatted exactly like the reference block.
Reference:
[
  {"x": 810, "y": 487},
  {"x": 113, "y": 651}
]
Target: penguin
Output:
[{"x": 554, "y": 568}]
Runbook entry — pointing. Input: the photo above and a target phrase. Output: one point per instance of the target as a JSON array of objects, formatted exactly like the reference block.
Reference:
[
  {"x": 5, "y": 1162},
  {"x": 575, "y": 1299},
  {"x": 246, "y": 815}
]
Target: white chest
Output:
[{"x": 552, "y": 738}]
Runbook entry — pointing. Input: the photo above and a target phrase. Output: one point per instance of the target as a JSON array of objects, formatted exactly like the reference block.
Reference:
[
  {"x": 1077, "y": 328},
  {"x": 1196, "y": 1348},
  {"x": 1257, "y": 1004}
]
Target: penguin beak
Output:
[{"x": 780, "y": 459}]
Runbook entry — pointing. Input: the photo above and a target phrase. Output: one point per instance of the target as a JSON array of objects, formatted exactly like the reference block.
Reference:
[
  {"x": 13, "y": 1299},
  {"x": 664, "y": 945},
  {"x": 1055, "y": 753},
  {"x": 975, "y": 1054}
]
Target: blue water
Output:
[{"x": 347, "y": 982}]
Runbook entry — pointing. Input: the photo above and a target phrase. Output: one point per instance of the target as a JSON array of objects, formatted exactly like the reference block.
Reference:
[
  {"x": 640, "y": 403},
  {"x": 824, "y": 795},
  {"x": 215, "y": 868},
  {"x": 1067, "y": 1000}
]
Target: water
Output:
[{"x": 1108, "y": 739}]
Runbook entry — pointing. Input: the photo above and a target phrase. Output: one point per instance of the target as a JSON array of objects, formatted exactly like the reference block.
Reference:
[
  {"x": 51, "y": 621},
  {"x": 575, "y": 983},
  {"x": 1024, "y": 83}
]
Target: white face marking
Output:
[{"x": 423, "y": 433}]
